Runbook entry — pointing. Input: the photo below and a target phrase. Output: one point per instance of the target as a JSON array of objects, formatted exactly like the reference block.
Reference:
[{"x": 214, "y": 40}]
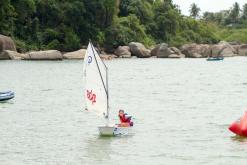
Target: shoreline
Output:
[
  {"x": 112, "y": 59},
  {"x": 133, "y": 50}
]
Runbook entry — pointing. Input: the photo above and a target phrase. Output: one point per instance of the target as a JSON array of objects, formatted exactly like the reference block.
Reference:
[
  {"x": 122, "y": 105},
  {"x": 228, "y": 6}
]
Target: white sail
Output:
[{"x": 96, "y": 87}]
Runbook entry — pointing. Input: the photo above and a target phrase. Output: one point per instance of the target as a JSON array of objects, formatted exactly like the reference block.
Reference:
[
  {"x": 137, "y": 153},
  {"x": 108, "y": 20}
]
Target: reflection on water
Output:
[
  {"x": 240, "y": 139},
  {"x": 4, "y": 104},
  {"x": 99, "y": 148}
]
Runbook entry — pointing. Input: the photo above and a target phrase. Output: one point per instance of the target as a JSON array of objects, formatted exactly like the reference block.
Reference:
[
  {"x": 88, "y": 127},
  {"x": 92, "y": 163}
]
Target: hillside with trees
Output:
[
  {"x": 231, "y": 23},
  {"x": 66, "y": 25}
]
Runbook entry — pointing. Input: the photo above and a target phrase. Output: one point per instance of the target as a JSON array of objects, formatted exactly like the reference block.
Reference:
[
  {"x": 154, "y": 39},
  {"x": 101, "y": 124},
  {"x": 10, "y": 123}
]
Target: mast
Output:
[
  {"x": 104, "y": 85},
  {"x": 107, "y": 94}
]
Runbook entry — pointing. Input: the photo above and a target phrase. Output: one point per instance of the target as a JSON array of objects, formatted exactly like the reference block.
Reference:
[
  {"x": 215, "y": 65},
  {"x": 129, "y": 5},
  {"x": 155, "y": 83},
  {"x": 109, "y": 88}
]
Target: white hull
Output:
[{"x": 114, "y": 130}]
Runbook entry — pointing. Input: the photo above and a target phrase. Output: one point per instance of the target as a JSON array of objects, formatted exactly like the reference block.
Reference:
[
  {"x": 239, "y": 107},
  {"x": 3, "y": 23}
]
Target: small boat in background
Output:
[
  {"x": 6, "y": 95},
  {"x": 215, "y": 58}
]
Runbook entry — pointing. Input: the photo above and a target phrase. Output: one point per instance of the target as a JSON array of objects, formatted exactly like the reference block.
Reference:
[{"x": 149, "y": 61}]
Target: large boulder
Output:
[
  {"x": 79, "y": 54},
  {"x": 162, "y": 51},
  {"x": 236, "y": 48},
  {"x": 6, "y": 43},
  {"x": 123, "y": 51},
  {"x": 242, "y": 51},
  {"x": 139, "y": 50},
  {"x": 44, "y": 55},
  {"x": 223, "y": 49},
  {"x": 174, "y": 56},
  {"x": 13, "y": 55},
  {"x": 196, "y": 50},
  {"x": 235, "y": 43},
  {"x": 175, "y": 53},
  {"x": 4, "y": 56}
]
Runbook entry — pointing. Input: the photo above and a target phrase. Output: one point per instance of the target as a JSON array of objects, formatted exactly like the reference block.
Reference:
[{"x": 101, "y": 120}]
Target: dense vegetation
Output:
[
  {"x": 67, "y": 24},
  {"x": 231, "y": 24}
]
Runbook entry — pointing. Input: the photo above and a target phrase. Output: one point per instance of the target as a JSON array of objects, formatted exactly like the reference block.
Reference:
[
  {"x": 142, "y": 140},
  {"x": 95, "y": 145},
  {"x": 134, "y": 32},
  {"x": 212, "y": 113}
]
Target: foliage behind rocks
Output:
[{"x": 67, "y": 25}]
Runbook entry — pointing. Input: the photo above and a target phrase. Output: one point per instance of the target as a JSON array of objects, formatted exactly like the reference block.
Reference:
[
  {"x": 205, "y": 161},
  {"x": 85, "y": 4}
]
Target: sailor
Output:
[{"x": 125, "y": 120}]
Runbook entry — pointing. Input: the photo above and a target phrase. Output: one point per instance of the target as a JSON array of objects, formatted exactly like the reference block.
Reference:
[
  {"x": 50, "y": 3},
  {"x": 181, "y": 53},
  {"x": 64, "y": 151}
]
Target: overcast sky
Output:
[{"x": 207, "y": 5}]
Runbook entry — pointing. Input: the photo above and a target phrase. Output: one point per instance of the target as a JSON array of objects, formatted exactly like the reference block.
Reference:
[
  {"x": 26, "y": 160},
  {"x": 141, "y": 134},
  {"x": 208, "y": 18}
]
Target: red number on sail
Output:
[{"x": 91, "y": 96}]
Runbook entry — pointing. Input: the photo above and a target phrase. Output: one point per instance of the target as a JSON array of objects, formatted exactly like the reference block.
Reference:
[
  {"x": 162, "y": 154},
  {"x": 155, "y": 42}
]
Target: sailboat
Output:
[{"x": 96, "y": 92}]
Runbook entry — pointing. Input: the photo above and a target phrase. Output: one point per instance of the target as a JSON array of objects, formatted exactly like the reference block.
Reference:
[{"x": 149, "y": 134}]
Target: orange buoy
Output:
[{"x": 239, "y": 127}]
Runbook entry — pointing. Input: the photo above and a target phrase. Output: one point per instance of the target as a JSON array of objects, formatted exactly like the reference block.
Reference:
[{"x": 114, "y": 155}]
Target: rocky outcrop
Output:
[
  {"x": 13, "y": 55},
  {"x": 139, "y": 50},
  {"x": 223, "y": 49},
  {"x": 196, "y": 50},
  {"x": 236, "y": 48},
  {"x": 163, "y": 51},
  {"x": 123, "y": 52},
  {"x": 175, "y": 56},
  {"x": 175, "y": 53},
  {"x": 242, "y": 51},
  {"x": 234, "y": 43},
  {"x": 134, "y": 50},
  {"x": 6, "y": 43},
  {"x": 79, "y": 54},
  {"x": 160, "y": 50},
  {"x": 44, "y": 55},
  {"x": 4, "y": 56}
]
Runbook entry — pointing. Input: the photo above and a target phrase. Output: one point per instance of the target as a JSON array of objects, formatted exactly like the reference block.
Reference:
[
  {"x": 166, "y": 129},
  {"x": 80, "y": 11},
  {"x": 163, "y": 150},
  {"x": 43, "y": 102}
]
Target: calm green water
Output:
[{"x": 182, "y": 109}]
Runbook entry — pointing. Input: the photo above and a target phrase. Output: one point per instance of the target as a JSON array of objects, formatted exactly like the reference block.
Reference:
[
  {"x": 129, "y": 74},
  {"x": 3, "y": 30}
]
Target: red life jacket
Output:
[{"x": 124, "y": 119}]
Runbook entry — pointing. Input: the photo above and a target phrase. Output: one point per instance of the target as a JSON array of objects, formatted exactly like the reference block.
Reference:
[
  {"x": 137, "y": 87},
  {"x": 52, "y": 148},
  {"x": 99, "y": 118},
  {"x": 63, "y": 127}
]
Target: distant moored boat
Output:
[
  {"x": 6, "y": 95},
  {"x": 215, "y": 58}
]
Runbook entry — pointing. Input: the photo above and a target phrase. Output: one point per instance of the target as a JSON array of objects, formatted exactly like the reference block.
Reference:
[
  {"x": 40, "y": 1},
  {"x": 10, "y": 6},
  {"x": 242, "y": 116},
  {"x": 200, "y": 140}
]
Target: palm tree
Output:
[{"x": 194, "y": 10}]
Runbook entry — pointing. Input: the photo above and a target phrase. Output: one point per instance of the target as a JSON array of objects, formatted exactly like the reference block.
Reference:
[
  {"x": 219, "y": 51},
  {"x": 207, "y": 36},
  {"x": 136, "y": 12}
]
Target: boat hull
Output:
[
  {"x": 215, "y": 59},
  {"x": 114, "y": 130},
  {"x": 4, "y": 96}
]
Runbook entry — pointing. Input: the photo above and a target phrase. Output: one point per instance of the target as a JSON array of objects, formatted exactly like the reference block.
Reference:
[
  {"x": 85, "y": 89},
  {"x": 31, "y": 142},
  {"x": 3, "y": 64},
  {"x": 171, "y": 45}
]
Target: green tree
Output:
[
  {"x": 71, "y": 41},
  {"x": 218, "y": 17},
  {"x": 166, "y": 21},
  {"x": 209, "y": 16},
  {"x": 67, "y": 24},
  {"x": 142, "y": 9},
  {"x": 49, "y": 13},
  {"x": 244, "y": 14},
  {"x": 123, "y": 8},
  {"x": 125, "y": 30},
  {"x": 234, "y": 14},
  {"x": 194, "y": 10},
  {"x": 7, "y": 17},
  {"x": 24, "y": 22}
]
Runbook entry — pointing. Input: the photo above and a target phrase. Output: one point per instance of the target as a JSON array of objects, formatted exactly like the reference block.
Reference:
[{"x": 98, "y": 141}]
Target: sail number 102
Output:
[{"x": 91, "y": 96}]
